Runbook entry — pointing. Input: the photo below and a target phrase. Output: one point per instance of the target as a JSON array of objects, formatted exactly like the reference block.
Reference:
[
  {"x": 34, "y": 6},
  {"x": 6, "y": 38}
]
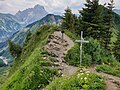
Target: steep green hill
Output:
[{"x": 30, "y": 70}]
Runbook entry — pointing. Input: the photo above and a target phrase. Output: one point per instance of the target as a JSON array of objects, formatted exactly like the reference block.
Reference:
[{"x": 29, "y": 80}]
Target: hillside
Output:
[
  {"x": 31, "y": 59},
  {"x": 8, "y": 26},
  {"x": 33, "y": 71},
  {"x": 44, "y": 64}
]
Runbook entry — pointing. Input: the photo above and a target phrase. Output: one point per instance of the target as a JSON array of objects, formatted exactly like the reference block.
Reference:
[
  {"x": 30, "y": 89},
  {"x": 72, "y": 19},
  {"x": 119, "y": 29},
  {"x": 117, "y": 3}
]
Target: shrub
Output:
[
  {"x": 14, "y": 49},
  {"x": 93, "y": 53},
  {"x": 80, "y": 81}
]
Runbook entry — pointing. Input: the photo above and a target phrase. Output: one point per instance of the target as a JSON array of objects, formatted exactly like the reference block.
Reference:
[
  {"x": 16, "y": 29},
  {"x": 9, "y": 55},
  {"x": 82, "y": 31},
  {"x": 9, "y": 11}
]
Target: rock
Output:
[
  {"x": 51, "y": 36},
  {"x": 57, "y": 59},
  {"x": 57, "y": 48},
  {"x": 55, "y": 41},
  {"x": 56, "y": 63},
  {"x": 66, "y": 44},
  {"x": 58, "y": 38},
  {"x": 50, "y": 45}
]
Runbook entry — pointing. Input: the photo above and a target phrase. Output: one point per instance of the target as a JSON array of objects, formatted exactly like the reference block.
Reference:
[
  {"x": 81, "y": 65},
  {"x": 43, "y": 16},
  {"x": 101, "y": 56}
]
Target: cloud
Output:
[
  {"x": 2, "y": 0},
  {"x": 12, "y": 6}
]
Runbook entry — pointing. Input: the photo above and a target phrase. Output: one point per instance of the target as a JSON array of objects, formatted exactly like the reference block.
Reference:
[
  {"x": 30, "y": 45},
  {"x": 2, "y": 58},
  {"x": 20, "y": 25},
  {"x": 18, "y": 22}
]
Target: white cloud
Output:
[{"x": 12, "y": 6}]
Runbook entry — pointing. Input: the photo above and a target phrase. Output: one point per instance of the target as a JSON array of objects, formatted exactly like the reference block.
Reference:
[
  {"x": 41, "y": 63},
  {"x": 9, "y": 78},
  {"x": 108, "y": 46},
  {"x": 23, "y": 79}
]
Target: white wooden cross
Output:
[{"x": 81, "y": 41}]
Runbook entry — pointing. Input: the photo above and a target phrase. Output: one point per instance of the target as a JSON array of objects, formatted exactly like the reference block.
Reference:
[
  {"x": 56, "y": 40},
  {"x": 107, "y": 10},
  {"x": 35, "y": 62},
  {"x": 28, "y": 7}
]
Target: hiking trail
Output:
[{"x": 60, "y": 47}]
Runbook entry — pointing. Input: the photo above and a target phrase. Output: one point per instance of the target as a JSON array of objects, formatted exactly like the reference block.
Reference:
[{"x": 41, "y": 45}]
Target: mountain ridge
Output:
[{"x": 8, "y": 25}]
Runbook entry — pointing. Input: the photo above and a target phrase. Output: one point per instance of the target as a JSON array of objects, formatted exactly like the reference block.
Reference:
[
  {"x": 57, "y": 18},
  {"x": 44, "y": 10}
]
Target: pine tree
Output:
[
  {"x": 69, "y": 20},
  {"x": 91, "y": 17},
  {"x": 117, "y": 47},
  {"x": 108, "y": 22},
  {"x": 79, "y": 25},
  {"x": 75, "y": 23}
]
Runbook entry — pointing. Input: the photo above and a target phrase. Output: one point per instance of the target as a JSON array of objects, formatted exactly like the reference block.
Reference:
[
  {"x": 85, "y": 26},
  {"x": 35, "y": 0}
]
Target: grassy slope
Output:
[
  {"x": 3, "y": 74},
  {"x": 27, "y": 71}
]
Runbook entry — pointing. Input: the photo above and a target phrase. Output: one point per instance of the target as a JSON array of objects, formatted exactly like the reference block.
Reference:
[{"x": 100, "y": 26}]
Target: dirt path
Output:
[
  {"x": 111, "y": 81},
  {"x": 60, "y": 47}
]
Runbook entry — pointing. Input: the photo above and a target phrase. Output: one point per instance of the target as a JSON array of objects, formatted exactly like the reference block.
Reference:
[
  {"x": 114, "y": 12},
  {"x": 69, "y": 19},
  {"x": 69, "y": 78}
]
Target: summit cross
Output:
[{"x": 81, "y": 41}]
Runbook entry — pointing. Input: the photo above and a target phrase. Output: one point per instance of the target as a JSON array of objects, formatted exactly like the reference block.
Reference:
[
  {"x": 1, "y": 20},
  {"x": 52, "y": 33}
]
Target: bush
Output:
[
  {"x": 80, "y": 81},
  {"x": 93, "y": 53},
  {"x": 14, "y": 49}
]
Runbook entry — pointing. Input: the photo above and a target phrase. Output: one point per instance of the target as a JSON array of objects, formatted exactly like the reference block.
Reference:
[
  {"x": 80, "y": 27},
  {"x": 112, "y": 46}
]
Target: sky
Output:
[{"x": 51, "y": 6}]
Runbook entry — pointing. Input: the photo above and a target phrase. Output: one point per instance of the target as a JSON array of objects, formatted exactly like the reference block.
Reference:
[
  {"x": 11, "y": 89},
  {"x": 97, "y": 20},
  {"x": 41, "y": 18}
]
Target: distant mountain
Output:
[
  {"x": 117, "y": 11},
  {"x": 31, "y": 15},
  {"x": 8, "y": 25},
  {"x": 19, "y": 37}
]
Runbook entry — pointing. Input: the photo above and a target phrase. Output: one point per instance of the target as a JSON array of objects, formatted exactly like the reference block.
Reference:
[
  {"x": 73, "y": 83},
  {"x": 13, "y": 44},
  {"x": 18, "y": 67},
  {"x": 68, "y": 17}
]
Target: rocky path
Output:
[
  {"x": 60, "y": 47},
  {"x": 111, "y": 81}
]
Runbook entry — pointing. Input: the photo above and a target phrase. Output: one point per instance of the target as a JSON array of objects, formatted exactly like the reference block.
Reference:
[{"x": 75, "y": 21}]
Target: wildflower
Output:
[
  {"x": 87, "y": 74},
  {"x": 82, "y": 73},
  {"x": 78, "y": 76},
  {"x": 85, "y": 78}
]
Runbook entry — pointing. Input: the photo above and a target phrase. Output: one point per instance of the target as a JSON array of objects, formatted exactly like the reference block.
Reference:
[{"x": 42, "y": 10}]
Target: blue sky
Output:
[{"x": 12, "y": 6}]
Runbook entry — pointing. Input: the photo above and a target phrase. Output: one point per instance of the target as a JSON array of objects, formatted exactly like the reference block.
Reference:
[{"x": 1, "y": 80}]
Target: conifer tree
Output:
[
  {"x": 117, "y": 47},
  {"x": 75, "y": 23},
  {"x": 79, "y": 26},
  {"x": 69, "y": 20},
  {"x": 91, "y": 17},
  {"x": 108, "y": 22}
]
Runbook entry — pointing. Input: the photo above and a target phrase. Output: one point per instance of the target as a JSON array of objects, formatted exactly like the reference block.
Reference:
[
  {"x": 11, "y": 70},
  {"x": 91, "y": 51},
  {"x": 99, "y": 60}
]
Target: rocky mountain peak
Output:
[
  {"x": 38, "y": 6},
  {"x": 31, "y": 15}
]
